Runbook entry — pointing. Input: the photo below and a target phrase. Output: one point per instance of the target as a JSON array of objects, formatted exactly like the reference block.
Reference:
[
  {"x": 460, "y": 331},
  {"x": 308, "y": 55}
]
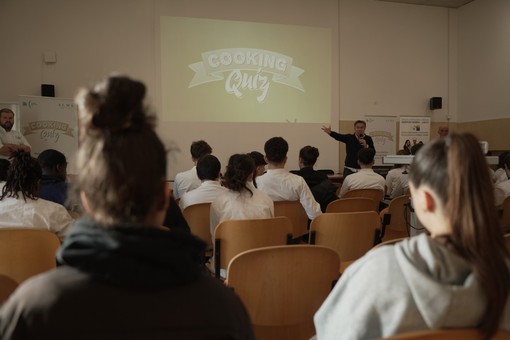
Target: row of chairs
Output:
[
  {"x": 357, "y": 231},
  {"x": 197, "y": 215},
  {"x": 281, "y": 286}
]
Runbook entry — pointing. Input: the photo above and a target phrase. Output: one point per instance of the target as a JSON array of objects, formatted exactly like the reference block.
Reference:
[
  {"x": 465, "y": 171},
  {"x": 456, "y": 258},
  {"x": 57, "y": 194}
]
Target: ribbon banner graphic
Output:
[{"x": 248, "y": 69}]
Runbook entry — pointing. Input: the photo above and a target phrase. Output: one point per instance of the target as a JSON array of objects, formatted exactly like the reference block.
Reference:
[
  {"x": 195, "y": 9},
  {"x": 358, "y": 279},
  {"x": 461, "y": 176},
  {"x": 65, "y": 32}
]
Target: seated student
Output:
[
  {"x": 500, "y": 174},
  {"x": 365, "y": 178},
  {"x": 4, "y": 166},
  {"x": 458, "y": 277},
  {"x": 122, "y": 275},
  {"x": 280, "y": 184},
  {"x": 502, "y": 189},
  {"x": 242, "y": 200},
  {"x": 54, "y": 172},
  {"x": 397, "y": 178},
  {"x": 20, "y": 205},
  {"x": 188, "y": 180},
  {"x": 208, "y": 170},
  {"x": 174, "y": 219},
  {"x": 323, "y": 190},
  {"x": 260, "y": 165}
]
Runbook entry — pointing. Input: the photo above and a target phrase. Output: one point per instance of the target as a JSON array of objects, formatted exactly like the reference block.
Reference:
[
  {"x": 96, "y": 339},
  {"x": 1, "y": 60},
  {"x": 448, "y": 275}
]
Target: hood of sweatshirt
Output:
[
  {"x": 133, "y": 255},
  {"x": 443, "y": 285}
]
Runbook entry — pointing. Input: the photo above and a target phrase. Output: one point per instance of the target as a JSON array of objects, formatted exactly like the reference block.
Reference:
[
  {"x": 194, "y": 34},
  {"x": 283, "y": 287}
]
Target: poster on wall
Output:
[
  {"x": 50, "y": 123},
  {"x": 383, "y": 131},
  {"x": 414, "y": 130}
]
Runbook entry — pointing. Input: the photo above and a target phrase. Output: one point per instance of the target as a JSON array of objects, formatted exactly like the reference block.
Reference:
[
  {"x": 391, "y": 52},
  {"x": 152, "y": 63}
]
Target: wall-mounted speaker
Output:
[
  {"x": 47, "y": 90},
  {"x": 436, "y": 103}
]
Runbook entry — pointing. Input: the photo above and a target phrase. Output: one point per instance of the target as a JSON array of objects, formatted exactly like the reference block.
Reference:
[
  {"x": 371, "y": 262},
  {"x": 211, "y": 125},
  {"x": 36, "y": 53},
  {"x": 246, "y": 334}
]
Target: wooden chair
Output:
[
  {"x": 26, "y": 252},
  {"x": 198, "y": 218},
  {"x": 297, "y": 215},
  {"x": 7, "y": 287},
  {"x": 507, "y": 242},
  {"x": 235, "y": 236},
  {"x": 351, "y": 205},
  {"x": 395, "y": 219},
  {"x": 505, "y": 216},
  {"x": 351, "y": 235},
  {"x": 449, "y": 334},
  {"x": 375, "y": 194},
  {"x": 390, "y": 242},
  {"x": 282, "y": 287}
]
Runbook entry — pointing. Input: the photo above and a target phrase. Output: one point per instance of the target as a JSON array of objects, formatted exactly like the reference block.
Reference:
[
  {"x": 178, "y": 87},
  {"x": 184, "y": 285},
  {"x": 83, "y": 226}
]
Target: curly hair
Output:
[{"x": 23, "y": 176}]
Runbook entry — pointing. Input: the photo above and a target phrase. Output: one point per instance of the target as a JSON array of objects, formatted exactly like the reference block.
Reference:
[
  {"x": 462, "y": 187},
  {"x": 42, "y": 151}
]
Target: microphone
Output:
[{"x": 360, "y": 138}]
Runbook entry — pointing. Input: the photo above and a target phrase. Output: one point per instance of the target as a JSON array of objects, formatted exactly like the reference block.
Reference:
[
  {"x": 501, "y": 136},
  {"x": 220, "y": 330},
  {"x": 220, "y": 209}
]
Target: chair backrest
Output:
[
  {"x": 7, "y": 287},
  {"x": 375, "y": 194},
  {"x": 232, "y": 237},
  {"x": 282, "y": 287},
  {"x": 351, "y": 205},
  {"x": 351, "y": 235},
  {"x": 505, "y": 217},
  {"x": 390, "y": 242},
  {"x": 198, "y": 218},
  {"x": 26, "y": 252},
  {"x": 398, "y": 214},
  {"x": 507, "y": 242},
  {"x": 297, "y": 215},
  {"x": 449, "y": 334}
]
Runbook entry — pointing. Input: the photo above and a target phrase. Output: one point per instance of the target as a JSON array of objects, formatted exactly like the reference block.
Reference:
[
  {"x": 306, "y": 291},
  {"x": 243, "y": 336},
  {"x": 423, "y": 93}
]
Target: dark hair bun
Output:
[{"x": 115, "y": 105}]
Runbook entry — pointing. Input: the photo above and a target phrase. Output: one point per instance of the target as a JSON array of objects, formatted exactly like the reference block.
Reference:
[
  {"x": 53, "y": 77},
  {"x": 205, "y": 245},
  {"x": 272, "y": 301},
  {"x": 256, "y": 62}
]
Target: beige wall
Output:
[{"x": 387, "y": 59}]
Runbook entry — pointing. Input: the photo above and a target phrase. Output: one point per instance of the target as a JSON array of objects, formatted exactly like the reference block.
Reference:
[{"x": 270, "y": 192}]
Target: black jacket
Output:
[
  {"x": 125, "y": 282},
  {"x": 323, "y": 190},
  {"x": 352, "y": 146}
]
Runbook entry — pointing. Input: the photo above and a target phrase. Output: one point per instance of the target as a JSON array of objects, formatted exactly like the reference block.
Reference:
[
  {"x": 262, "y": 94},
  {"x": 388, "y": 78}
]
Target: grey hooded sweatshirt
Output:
[{"x": 416, "y": 284}]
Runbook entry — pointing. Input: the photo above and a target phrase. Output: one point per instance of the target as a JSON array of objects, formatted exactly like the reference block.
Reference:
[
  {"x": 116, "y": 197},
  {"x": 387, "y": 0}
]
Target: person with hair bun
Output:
[
  {"x": 20, "y": 205},
  {"x": 458, "y": 276},
  {"x": 122, "y": 275}
]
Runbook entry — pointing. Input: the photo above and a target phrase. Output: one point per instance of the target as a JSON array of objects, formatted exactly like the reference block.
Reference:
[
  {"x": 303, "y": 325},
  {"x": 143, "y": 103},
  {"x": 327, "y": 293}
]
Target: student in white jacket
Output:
[{"x": 458, "y": 277}]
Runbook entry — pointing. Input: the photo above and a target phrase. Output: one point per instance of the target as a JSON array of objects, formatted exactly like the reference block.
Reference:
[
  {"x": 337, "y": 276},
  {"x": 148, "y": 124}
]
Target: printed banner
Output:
[
  {"x": 50, "y": 123},
  {"x": 414, "y": 130},
  {"x": 383, "y": 131}
]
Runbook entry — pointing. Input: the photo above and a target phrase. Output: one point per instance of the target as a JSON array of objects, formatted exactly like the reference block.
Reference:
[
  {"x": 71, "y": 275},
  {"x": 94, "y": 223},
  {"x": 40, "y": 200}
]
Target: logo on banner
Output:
[
  {"x": 246, "y": 69},
  {"x": 381, "y": 137},
  {"x": 48, "y": 130}
]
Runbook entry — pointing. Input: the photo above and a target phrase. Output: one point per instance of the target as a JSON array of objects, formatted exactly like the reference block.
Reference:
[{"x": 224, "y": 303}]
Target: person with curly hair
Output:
[{"x": 20, "y": 204}]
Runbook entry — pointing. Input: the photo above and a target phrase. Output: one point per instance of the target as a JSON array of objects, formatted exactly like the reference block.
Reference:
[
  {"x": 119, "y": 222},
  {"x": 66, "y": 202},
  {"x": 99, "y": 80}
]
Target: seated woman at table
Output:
[{"x": 456, "y": 277}]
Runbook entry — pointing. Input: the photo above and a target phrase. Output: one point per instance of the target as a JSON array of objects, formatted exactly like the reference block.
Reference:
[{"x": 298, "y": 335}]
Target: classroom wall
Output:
[
  {"x": 389, "y": 59},
  {"x": 393, "y": 58},
  {"x": 484, "y": 55}
]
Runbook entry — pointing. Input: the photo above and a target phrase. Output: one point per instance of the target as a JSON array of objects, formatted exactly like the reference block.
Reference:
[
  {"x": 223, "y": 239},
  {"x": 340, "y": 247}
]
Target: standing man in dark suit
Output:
[{"x": 353, "y": 143}]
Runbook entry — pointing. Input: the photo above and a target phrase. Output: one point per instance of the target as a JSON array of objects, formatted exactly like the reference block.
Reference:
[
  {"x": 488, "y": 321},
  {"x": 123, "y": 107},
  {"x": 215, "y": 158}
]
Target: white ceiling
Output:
[{"x": 440, "y": 3}]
